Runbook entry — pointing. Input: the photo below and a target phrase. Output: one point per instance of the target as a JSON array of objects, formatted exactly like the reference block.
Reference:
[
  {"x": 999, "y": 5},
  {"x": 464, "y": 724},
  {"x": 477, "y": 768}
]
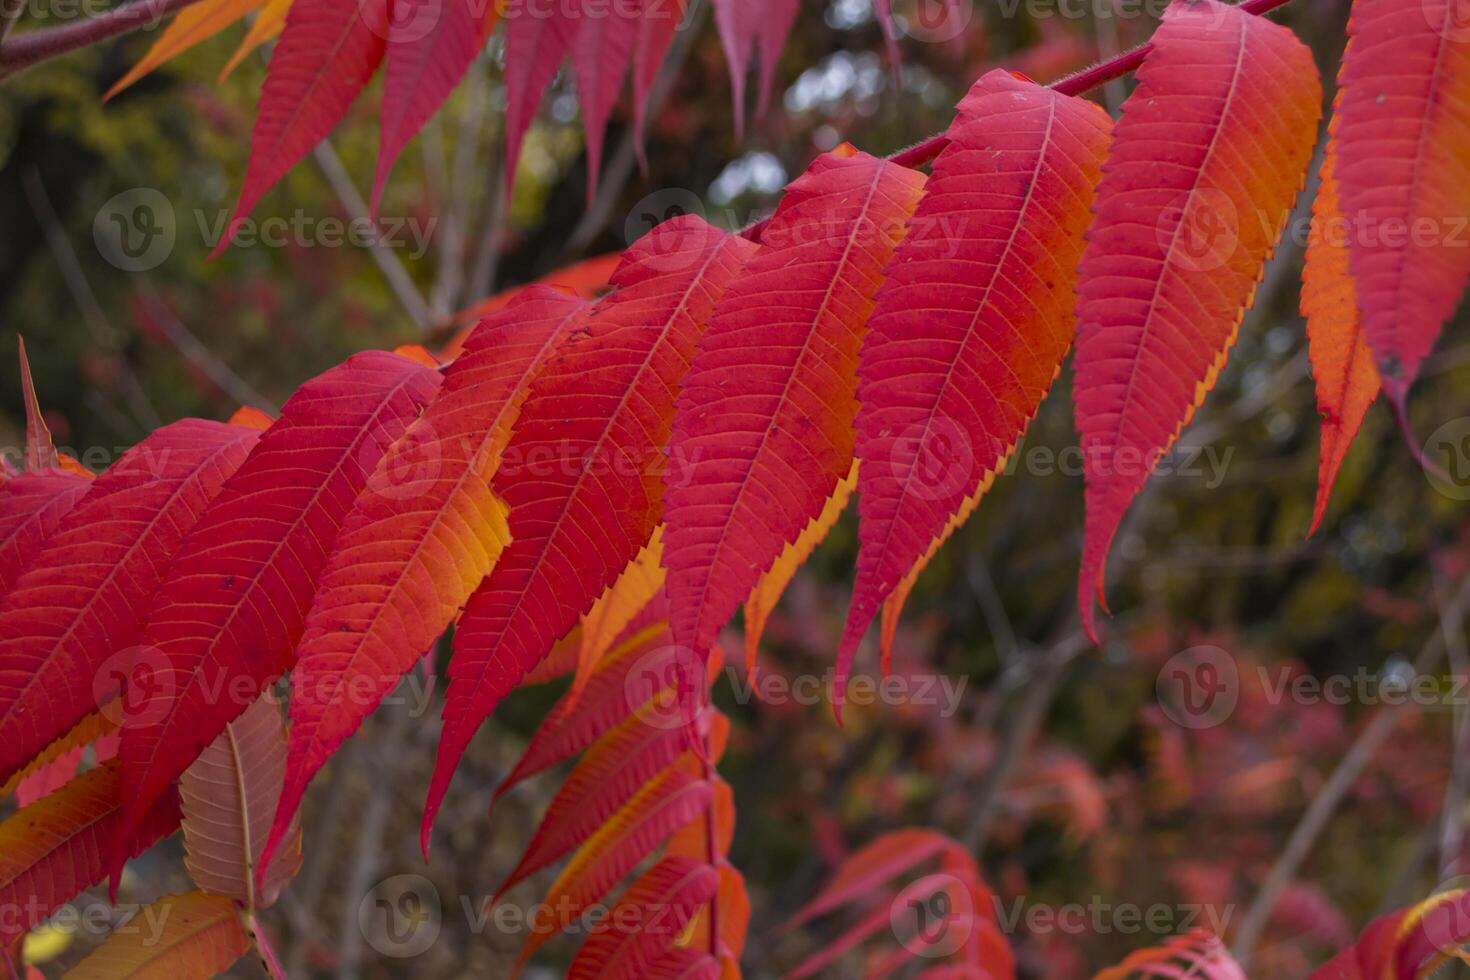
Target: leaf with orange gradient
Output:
[
  {"x": 1403, "y": 174},
  {"x": 267, "y": 25},
  {"x": 233, "y": 605},
  {"x": 32, "y": 506},
  {"x": 422, "y": 535},
  {"x": 99, "y": 727},
  {"x": 1342, "y": 364},
  {"x": 1199, "y": 953},
  {"x": 970, "y": 327},
  {"x": 610, "y": 615},
  {"x": 764, "y": 428},
  {"x": 198, "y": 935},
  {"x": 228, "y": 797},
  {"x": 768, "y": 591},
  {"x": 54, "y": 849},
  {"x": 968, "y": 935},
  {"x": 585, "y": 489},
  {"x": 646, "y": 920},
  {"x": 587, "y": 279},
  {"x": 663, "y": 805},
  {"x": 603, "y": 705},
  {"x": 192, "y": 25},
  {"x": 1210, "y": 153},
  {"x": 1407, "y": 944},
  {"x": 70, "y": 626}
]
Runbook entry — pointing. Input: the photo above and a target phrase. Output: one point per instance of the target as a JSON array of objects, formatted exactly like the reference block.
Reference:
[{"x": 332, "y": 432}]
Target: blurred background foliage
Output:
[{"x": 1062, "y": 765}]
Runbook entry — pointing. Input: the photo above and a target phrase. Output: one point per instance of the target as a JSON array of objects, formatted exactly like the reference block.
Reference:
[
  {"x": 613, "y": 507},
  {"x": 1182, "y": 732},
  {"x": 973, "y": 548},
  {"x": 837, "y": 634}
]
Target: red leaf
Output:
[
  {"x": 537, "y": 37},
  {"x": 424, "y": 532},
  {"x": 1211, "y": 150},
  {"x": 55, "y": 848},
  {"x": 431, "y": 44},
  {"x": 1342, "y": 365},
  {"x": 1403, "y": 139},
  {"x": 766, "y": 412},
  {"x": 603, "y": 703},
  {"x": 601, "y": 783},
  {"x": 584, "y": 483},
  {"x": 1198, "y": 953},
  {"x": 601, "y": 50},
  {"x": 69, "y": 627},
  {"x": 1412, "y": 942},
  {"x": 32, "y": 505},
  {"x": 646, "y": 921},
  {"x": 327, "y": 53},
  {"x": 776, "y": 20},
  {"x": 971, "y": 326},
  {"x": 661, "y": 807},
  {"x": 232, "y": 607},
  {"x": 737, "y": 22},
  {"x": 656, "y": 30}
]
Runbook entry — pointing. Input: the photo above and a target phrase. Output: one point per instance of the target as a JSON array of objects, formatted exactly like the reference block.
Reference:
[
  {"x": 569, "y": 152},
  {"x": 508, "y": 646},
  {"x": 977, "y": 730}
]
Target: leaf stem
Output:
[
  {"x": 926, "y": 150},
  {"x": 34, "y": 47}
]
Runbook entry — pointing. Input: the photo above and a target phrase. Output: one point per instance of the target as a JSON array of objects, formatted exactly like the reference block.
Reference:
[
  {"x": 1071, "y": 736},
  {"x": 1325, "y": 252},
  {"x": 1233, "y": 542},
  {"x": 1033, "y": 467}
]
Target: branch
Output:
[
  {"x": 32, "y": 48},
  {"x": 1325, "y": 803},
  {"x": 926, "y": 150},
  {"x": 398, "y": 278}
]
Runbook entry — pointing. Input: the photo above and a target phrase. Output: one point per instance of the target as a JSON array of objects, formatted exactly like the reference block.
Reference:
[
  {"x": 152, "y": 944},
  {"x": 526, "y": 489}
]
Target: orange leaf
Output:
[
  {"x": 193, "y": 25},
  {"x": 1342, "y": 364},
  {"x": 194, "y": 935},
  {"x": 1210, "y": 153}
]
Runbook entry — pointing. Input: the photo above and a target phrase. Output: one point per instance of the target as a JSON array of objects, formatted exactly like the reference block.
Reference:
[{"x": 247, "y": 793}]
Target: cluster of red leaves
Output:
[{"x": 696, "y": 429}]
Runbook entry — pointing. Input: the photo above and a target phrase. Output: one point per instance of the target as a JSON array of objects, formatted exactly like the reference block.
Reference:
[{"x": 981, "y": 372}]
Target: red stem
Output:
[
  {"x": 30, "y": 48},
  {"x": 1083, "y": 81}
]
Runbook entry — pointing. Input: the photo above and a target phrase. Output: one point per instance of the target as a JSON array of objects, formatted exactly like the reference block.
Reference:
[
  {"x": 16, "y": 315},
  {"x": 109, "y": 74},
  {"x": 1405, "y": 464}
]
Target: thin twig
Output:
[
  {"x": 103, "y": 334},
  {"x": 34, "y": 47},
  {"x": 194, "y": 351},
  {"x": 1023, "y": 727},
  {"x": 487, "y": 254},
  {"x": 399, "y": 281},
  {"x": 1325, "y": 803},
  {"x": 1452, "y": 815}
]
